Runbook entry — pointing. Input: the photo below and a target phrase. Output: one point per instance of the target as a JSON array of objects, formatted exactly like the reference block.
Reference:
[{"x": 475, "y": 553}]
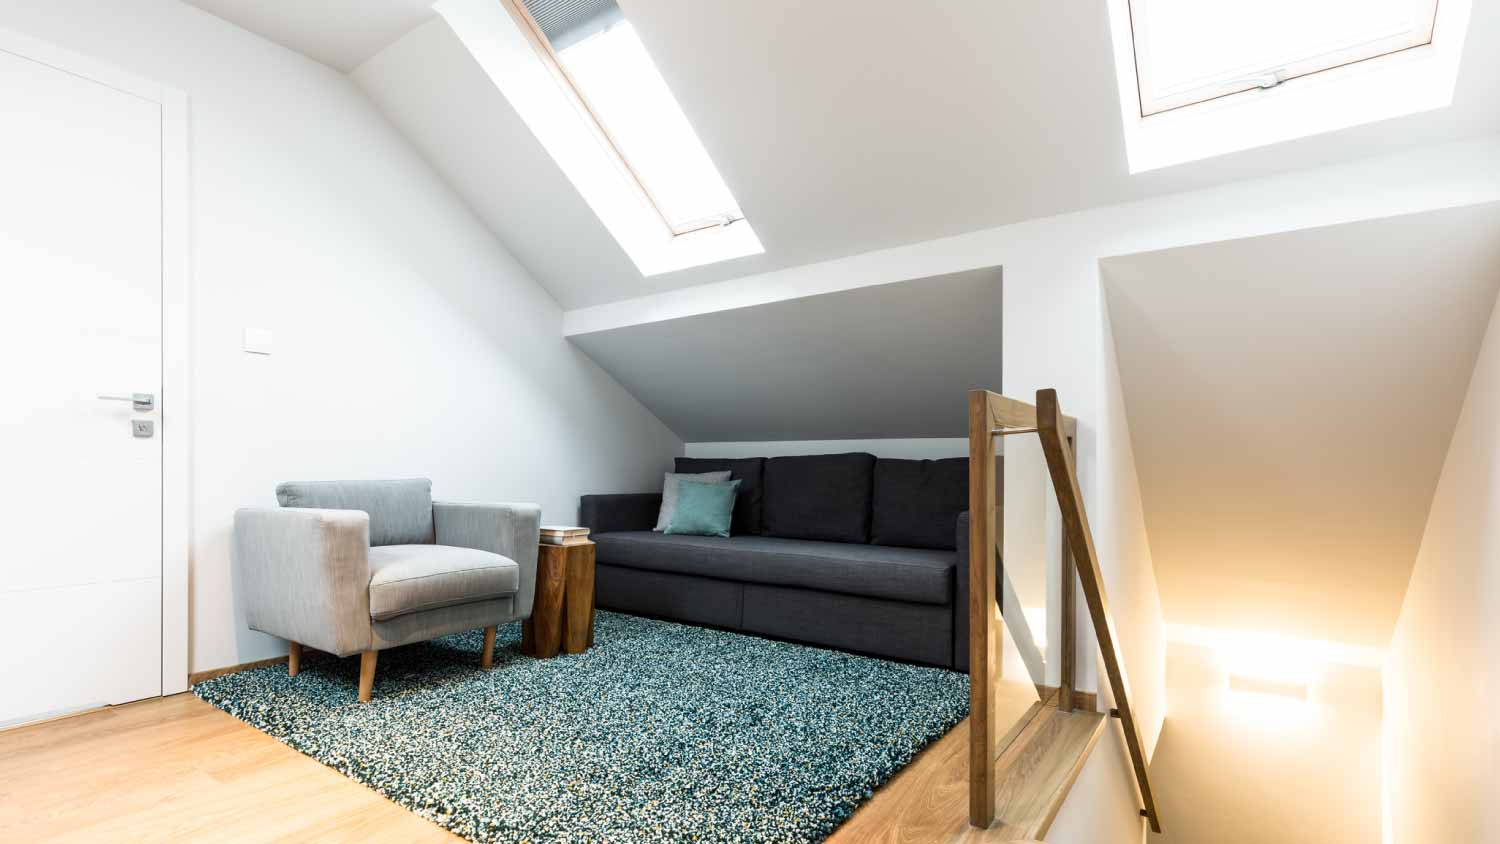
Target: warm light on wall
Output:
[
  {"x": 1036, "y": 619},
  {"x": 1291, "y": 690},
  {"x": 1268, "y": 681},
  {"x": 1272, "y": 655},
  {"x": 1268, "y": 659}
]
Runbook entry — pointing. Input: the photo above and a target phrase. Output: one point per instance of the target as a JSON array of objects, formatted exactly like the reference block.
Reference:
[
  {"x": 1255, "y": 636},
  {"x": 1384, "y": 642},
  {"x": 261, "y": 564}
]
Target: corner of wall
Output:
[
  {"x": 1125, "y": 546},
  {"x": 1437, "y": 769}
]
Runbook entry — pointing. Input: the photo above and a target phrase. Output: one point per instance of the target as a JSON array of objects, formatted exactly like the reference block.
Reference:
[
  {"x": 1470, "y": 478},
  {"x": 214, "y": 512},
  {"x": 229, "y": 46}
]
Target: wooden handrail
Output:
[
  {"x": 1051, "y": 430},
  {"x": 992, "y": 415}
]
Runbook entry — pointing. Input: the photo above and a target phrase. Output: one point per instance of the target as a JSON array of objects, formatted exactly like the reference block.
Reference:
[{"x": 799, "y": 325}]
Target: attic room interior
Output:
[{"x": 636, "y": 421}]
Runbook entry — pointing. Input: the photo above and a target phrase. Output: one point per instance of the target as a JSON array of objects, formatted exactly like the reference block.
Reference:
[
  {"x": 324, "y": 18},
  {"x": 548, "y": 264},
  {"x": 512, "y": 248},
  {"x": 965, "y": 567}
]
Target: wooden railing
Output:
[{"x": 991, "y": 737}]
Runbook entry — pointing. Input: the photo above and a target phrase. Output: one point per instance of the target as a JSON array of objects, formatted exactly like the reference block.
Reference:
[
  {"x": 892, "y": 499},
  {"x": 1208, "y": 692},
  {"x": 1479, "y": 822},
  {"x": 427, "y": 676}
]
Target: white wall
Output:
[
  {"x": 1241, "y": 767},
  {"x": 1120, "y": 536},
  {"x": 1440, "y": 738},
  {"x": 408, "y": 341}
]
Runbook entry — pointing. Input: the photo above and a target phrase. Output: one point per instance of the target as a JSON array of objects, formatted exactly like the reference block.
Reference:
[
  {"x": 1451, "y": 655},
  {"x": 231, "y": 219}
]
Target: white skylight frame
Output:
[
  {"x": 1407, "y": 24},
  {"x": 1400, "y": 83},
  {"x": 516, "y": 56}
]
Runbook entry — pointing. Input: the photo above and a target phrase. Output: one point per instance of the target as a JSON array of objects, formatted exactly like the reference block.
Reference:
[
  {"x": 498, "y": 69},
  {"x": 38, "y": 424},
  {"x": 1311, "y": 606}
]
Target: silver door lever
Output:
[{"x": 141, "y": 401}]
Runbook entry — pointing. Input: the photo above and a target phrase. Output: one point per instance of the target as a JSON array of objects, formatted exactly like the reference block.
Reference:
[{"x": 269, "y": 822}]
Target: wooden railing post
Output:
[
  {"x": 984, "y": 651},
  {"x": 1060, "y": 464},
  {"x": 1068, "y": 653},
  {"x": 992, "y": 415}
]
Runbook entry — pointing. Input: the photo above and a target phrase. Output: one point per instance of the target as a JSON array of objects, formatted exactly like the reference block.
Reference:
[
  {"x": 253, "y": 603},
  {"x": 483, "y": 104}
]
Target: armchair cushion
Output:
[
  {"x": 400, "y": 511},
  {"x": 510, "y": 530},
  {"x": 412, "y": 578}
]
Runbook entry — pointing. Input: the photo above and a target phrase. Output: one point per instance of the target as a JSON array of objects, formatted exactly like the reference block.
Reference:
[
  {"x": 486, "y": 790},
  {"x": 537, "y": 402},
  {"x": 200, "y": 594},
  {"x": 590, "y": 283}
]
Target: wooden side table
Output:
[{"x": 562, "y": 614}]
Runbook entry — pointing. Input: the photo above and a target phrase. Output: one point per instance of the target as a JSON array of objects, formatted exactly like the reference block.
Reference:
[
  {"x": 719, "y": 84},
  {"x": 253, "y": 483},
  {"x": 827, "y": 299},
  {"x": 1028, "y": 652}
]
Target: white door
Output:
[{"x": 81, "y": 316}]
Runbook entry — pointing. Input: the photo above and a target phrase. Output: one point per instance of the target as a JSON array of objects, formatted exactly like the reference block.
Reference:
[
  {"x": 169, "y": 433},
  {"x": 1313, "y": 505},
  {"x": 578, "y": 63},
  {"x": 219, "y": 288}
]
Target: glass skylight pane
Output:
[
  {"x": 1189, "y": 50},
  {"x": 616, "y": 77}
]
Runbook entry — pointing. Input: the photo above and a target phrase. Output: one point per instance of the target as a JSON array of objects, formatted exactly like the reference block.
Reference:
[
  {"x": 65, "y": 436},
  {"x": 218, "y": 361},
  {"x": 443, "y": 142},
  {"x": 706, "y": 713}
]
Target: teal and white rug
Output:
[{"x": 660, "y": 733}]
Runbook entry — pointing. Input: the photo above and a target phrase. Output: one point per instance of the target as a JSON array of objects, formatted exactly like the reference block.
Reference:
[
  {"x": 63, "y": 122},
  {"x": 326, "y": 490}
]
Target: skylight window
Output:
[
  {"x": 581, "y": 80},
  {"x": 618, "y": 88},
  {"x": 1200, "y": 78},
  {"x": 1191, "y": 51}
]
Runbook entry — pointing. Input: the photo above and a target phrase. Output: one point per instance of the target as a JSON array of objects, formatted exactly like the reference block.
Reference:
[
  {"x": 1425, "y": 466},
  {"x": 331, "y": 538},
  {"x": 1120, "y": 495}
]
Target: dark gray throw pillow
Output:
[
  {"x": 748, "y": 471},
  {"x": 821, "y": 496},
  {"x": 917, "y": 502}
]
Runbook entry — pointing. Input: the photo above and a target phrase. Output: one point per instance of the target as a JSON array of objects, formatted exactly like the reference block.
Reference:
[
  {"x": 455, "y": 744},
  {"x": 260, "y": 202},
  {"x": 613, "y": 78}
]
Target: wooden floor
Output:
[{"x": 176, "y": 769}]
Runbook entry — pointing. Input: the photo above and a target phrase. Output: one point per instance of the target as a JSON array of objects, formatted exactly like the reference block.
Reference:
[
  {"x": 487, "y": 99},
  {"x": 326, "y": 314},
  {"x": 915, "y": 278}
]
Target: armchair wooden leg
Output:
[
  {"x": 293, "y": 659},
  {"x": 487, "y": 657},
  {"x": 366, "y": 675}
]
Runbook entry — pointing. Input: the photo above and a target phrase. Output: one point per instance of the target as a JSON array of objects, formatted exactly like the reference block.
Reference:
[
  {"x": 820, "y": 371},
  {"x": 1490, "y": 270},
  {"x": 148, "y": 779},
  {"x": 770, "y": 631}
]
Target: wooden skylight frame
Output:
[{"x": 574, "y": 93}]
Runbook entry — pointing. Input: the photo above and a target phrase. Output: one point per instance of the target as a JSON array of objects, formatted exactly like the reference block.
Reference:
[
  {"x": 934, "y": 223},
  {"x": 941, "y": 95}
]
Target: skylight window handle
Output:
[{"x": 1263, "y": 81}]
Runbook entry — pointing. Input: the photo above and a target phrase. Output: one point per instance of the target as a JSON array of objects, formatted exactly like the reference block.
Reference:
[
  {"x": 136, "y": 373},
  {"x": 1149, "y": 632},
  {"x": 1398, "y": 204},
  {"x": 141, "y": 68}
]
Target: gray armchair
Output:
[{"x": 350, "y": 567}]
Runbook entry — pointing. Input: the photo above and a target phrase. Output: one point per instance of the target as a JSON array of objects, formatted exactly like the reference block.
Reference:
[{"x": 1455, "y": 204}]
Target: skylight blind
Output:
[{"x": 566, "y": 22}]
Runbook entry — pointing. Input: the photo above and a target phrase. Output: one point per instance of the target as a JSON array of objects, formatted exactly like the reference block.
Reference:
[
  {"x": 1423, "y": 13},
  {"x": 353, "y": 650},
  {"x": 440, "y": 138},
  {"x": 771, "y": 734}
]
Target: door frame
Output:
[{"x": 176, "y": 270}]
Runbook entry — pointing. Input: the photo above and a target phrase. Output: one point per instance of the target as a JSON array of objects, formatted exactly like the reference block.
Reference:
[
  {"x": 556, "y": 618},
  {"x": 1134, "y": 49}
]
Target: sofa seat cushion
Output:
[
  {"x": 917, "y": 575},
  {"x": 412, "y": 578}
]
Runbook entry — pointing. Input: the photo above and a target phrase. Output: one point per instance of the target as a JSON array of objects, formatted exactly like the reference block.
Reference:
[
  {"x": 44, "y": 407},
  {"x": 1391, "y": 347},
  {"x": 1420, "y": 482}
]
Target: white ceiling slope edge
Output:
[
  {"x": 994, "y": 113},
  {"x": 893, "y": 360},
  {"x": 339, "y": 33},
  {"x": 1036, "y": 252},
  {"x": 1291, "y": 399}
]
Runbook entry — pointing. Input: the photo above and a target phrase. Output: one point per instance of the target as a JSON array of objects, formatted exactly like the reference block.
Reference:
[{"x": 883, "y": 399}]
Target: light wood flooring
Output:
[{"x": 176, "y": 769}]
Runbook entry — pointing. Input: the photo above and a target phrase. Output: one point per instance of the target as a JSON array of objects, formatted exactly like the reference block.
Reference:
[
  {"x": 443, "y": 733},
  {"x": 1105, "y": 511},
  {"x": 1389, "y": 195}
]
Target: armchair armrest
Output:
[
  {"x": 629, "y": 511},
  {"x": 510, "y": 530},
  {"x": 306, "y": 575}
]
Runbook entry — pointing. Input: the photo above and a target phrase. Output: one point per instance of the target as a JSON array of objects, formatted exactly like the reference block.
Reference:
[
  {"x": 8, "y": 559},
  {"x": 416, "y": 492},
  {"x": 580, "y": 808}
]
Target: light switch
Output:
[{"x": 258, "y": 341}]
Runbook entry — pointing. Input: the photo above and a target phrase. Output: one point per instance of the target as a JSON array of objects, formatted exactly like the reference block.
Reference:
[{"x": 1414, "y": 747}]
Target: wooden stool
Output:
[{"x": 562, "y": 615}]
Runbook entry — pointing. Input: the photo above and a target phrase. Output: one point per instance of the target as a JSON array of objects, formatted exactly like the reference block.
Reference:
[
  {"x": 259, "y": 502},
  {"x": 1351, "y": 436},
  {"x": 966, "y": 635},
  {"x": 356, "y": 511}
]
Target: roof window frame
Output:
[
  {"x": 1256, "y": 79},
  {"x": 571, "y": 89}
]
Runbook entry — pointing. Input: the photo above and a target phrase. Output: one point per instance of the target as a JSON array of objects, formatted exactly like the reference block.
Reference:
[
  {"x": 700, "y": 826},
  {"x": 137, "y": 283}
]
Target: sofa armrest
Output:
[
  {"x": 306, "y": 575},
  {"x": 961, "y": 596},
  {"x": 629, "y": 511},
  {"x": 510, "y": 530}
]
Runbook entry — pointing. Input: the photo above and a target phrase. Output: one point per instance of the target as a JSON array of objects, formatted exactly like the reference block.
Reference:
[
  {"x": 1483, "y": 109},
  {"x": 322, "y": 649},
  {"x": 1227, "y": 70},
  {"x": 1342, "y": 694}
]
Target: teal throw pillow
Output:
[{"x": 703, "y": 509}]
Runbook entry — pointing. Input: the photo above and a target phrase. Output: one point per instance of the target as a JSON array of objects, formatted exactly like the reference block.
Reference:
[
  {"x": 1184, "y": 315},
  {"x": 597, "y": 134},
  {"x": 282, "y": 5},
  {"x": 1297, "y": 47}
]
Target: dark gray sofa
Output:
[{"x": 845, "y": 551}]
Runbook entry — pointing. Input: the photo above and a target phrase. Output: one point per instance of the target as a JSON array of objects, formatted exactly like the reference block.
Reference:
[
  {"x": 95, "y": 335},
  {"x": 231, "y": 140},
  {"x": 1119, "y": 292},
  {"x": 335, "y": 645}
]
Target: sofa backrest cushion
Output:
[
  {"x": 749, "y": 471},
  {"x": 400, "y": 511},
  {"x": 917, "y": 502},
  {"x": 821, "y": 496}
]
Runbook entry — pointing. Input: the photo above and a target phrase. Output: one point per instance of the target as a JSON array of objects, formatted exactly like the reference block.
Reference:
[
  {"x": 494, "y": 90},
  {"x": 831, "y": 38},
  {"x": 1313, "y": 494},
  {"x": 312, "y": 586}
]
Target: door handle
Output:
[{"x": 141, "y": 401}]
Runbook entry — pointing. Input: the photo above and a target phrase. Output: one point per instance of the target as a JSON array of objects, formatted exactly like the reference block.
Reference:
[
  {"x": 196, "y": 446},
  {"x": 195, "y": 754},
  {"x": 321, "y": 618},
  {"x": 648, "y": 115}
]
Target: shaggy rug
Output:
[{"x": 659, "y": 733}]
